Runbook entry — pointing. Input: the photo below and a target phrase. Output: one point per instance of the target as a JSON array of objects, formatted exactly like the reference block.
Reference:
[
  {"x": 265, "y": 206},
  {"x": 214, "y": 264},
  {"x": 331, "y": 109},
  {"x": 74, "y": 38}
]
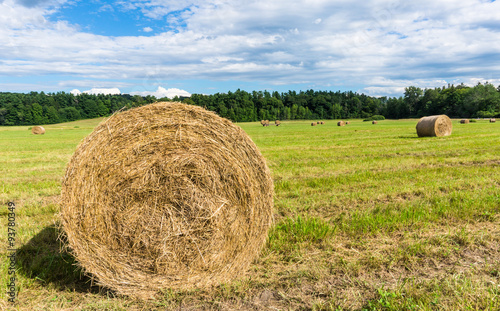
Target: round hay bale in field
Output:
[
  {"x": 37, "y": 130},
  {"x": 347, "y": 122},
  {"x": 313, "y": 124},
  {"x": 493, "y": 120},
  {"x": 439, "y": 125},
  {"x": 277, "y": 122},
  {"x": 263, "y": 122},
  {"x": 322, "y": 122},
  {"x": 374, "y": 122},
  {"x": 166, "y": 195},
  {"x": 341, "y": 123},
  {"x": 464, "y": 121}
]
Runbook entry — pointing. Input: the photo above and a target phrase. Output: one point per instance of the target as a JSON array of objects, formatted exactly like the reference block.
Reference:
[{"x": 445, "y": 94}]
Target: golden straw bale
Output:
[
  {"x": 277, "y": 122},
  {"x": 37, "y": 130},
  {"x": 374, "y": 122},
  {"x": 163, "y": 196},
  {"x": 347, "y": 122},
  {"x": 341, "y": 123},
  {"x": 493, "y": 120},
  {"x": 439, "y": 125},
  {"x": 313, "y": 124},
  {"x": 464, "y": 121}
]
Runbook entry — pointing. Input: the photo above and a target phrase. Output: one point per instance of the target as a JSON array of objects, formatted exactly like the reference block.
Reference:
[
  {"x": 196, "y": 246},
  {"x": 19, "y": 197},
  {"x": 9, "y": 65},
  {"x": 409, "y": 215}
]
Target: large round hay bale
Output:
[
  {"x": 493, "y": 120},
  {"x": 277, "y": 122},
  {"x": 37, "y": 130},
  {"x": 464, "y": 121},
  {"x": 341, "y": 123},
  {"x": 166, "y": 195},
  {"x": 439, "y": 125},
  {"x": 313, "y": 124},
  {"x": 374, "y": 122},
  {"x": 347, "y": 122}
]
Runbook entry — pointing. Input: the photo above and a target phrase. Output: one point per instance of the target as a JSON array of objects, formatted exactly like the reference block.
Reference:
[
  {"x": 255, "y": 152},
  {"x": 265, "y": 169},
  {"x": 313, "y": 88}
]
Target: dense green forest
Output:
[{"x": 481, "y": 101}]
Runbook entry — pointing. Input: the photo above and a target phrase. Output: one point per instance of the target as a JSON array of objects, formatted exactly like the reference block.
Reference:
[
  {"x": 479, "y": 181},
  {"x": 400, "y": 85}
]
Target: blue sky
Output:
[{"x": 167, "y": 48}]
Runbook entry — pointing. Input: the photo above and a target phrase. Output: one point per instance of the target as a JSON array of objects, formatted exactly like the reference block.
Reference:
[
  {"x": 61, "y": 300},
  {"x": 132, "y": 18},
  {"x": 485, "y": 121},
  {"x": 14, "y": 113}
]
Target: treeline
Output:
[
  {"x": 47, "y": 108},
  {"x": 482, "y": 100}
]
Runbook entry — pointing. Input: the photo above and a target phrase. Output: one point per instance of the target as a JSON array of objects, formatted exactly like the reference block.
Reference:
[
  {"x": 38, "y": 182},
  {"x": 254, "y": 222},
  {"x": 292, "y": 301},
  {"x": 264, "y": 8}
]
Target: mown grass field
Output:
[{"x": 367, "y": 217}]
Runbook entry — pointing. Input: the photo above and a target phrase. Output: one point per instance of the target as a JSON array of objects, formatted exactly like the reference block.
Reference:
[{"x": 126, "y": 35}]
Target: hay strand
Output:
[
  {"x": 166, "y": 195},
  {"x": 439, "y": 125},
  {"x": 38, "y": 130}
]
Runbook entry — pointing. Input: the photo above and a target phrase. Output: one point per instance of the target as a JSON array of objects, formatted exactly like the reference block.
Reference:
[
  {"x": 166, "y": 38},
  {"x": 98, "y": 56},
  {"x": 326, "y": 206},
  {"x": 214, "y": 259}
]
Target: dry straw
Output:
[
  {"x": 439, "y": 125},
  {"x": 347, "y": 122},
  {"x": 493, "y": 120},
  {"x": 313, "y": 124},
  {"x": 37, "y": 130},
  {"x": 166, "y": 196},
  {"x": 464, "y": 121},
  {"x": 374, "y": 122},
  {"x": 277, "y": 122},
  {"x": 341, "y": 123}
]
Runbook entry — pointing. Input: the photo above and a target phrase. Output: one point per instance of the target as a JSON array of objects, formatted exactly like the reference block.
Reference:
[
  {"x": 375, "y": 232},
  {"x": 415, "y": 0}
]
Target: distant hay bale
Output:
[
  {"x": 163, "y": 196},
  {"x": 277, "y": 122},
  {"x": 263, "y": 122},
  {"x": 322, "y": 122},
  {"x": 493, "y": 120},
  {"x": 464, "y": 121},
  {"x": 374, "y": 122},
  {"x": 439, "y": 125},
  {"x": 38, "y": 130},
  {"x": 347, "y": 122},
  {"x": 341, "y": 123},
  {"x": 313, "y": 124},
  {"x": 267, "y": 122}
]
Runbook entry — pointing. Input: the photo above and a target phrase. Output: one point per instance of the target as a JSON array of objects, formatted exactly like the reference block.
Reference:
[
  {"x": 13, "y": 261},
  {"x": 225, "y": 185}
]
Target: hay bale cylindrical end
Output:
[
  {"x": 38, "y": 130},
  {"x": 438, "y": 125},
  {"x": 163, "y": 196}
]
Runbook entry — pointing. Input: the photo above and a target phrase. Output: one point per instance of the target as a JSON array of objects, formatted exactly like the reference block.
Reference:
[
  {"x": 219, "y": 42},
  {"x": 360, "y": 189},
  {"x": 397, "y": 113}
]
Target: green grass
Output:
[{"x": 367, "y": 217}]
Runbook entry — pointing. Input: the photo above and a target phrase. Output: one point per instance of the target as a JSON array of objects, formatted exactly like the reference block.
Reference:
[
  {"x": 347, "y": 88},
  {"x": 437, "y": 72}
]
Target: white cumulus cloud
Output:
[
  {"x": 163, "y": 92},
  {"x": 342, "y": 43},
  {"x": 96, "y": 91}
]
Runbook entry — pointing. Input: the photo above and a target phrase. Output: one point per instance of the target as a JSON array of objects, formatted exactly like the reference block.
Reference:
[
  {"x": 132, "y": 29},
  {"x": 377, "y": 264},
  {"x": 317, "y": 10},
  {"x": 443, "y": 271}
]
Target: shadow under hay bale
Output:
[
  {"x": 166, "y": 196},
  {"x": 38, "y": 130},
  {"x": 45, "y": 260},
  {"x": 439, "y": 125}
]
